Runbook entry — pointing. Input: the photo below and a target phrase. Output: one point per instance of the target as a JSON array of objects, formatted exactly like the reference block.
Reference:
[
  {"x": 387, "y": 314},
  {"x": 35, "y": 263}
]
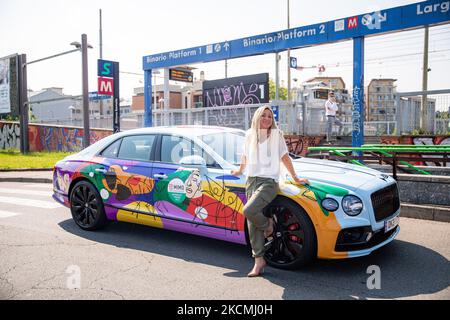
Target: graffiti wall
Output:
[
  {"x": 250, "y": 89},
  {"x": 419, "y": 140},
  {"x": 9, "y": 135},
  {"x": 48, "y": 138},
  {"x": 299, "y": 144}
]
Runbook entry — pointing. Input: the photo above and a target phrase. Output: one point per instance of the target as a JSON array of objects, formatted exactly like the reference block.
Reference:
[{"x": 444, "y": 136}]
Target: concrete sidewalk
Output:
[{"x": 410, "y": 210}]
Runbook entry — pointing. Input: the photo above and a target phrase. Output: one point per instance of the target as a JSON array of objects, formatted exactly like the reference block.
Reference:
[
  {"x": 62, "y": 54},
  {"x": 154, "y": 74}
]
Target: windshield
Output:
[{"x": 228, "y": 145}]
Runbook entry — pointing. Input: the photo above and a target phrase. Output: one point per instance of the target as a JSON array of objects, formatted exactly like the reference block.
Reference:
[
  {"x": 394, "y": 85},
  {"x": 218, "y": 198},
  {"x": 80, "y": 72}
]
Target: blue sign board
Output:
[
  {"x": 293, "y": 62},
  {"x": 276, "y": 112},
  {"x": 105, "y": 68},
  {"x": 210, "y": 52},
  {"x": 95, "y": 96},
  {"x": 399, "y": 18},
  {"x": 408, "y": 17}
]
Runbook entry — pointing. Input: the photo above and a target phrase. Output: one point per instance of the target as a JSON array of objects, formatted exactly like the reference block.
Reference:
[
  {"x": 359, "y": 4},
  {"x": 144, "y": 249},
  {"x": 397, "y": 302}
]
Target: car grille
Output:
[{"x": 385, "y": 202}]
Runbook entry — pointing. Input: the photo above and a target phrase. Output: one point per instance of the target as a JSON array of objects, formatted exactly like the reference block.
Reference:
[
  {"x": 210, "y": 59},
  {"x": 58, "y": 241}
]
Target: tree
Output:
[{"x": 282, "y": 91}]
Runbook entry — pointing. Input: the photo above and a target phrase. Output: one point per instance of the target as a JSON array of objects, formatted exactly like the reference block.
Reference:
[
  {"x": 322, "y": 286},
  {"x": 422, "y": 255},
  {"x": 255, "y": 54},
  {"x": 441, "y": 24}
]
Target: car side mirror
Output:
[{"x": 195, "y": 160}]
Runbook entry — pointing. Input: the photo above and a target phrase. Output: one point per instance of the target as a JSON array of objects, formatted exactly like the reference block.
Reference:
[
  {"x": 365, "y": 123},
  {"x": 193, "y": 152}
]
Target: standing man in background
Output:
[{"x": 330, "y": 110}]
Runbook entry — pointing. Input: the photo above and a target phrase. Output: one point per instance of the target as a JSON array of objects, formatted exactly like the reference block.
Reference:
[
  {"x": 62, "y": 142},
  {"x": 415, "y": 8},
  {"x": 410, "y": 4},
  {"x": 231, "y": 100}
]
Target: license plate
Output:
[{"x": 391, "y": 223}]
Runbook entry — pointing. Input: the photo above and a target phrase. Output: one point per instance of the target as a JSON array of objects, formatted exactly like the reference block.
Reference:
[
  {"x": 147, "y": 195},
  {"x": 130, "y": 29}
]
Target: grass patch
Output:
[{"x": 13, "y": 159}]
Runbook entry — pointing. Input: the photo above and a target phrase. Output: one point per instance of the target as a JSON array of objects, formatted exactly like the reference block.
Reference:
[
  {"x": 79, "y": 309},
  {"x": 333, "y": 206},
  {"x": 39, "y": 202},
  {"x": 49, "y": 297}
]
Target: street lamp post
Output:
[
  {"x": 23, "y": 100},
  {"x": 85, "y": 85}
]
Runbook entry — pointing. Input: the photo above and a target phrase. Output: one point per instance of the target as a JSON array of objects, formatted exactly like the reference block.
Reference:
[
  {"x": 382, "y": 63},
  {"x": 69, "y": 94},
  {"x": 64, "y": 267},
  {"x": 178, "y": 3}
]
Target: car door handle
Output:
[
  {"x": 160, "y": 176},
  {"x": 101, "y": 170}
]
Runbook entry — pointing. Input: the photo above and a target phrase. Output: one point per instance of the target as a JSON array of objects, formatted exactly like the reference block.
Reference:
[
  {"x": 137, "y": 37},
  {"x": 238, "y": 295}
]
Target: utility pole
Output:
[
  {"x": 102, "y": 112},
  {"x": 424, "y": 105},
  {"x": 277, "y": 76},
  {"x": 84, "y": 62},
  {"x": 23, "y": 103},
  {"x": 226, "y": 68},
  {"x": 288, "y": 60}
]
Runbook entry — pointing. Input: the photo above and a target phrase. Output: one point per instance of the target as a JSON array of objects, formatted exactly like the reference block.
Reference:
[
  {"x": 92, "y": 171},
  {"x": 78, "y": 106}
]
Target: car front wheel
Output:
[
  {"x": 87, "y": 207},
  {"x": 294, "y": 242}
]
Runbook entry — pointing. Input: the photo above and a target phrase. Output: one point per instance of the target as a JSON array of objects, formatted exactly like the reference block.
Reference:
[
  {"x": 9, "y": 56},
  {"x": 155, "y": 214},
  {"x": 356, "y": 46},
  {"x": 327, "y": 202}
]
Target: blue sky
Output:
[{"x": 136, "y": 28}]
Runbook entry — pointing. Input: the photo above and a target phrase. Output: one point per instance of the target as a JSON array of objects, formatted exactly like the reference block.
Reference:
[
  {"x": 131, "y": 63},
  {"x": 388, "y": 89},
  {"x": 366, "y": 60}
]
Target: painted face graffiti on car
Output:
[{"x": 193, "y": 185}]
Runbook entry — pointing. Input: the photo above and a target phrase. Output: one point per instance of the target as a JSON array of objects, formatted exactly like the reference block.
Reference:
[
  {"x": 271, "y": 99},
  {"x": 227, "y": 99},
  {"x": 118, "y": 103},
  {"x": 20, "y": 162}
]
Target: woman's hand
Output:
[
  {"x": 300, "y": 180},
  {"x": 236, "y": 172}
]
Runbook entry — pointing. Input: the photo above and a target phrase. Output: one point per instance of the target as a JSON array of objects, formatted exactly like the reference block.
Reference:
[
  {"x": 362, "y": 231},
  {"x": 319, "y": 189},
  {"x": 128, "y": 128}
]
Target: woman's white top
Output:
[{"x": 265, "y": 160}]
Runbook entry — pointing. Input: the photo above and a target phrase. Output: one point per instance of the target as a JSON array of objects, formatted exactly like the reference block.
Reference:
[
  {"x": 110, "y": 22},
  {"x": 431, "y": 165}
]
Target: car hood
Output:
[{"x": 349, "y": 176}]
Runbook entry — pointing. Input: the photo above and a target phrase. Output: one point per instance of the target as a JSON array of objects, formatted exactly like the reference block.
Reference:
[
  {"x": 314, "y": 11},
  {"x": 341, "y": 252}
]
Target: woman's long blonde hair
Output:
[{"x": 255, "y": 130}]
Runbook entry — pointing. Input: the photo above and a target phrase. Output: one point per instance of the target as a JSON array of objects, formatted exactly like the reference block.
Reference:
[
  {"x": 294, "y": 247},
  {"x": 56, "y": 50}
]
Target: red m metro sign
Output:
[
  {"x": 352, "y": 22},
  {"x": 105, "y": 86}
]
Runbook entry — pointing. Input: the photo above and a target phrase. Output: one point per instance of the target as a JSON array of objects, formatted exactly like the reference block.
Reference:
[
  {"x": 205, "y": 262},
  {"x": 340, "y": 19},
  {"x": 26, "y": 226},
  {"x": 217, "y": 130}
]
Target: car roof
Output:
[{"x": 184, "y": 130}]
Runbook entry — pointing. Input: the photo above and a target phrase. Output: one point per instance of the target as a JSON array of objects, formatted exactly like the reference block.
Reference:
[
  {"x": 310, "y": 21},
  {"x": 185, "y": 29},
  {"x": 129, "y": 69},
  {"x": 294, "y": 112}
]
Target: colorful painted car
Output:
[{"x": 178, "y": 178}]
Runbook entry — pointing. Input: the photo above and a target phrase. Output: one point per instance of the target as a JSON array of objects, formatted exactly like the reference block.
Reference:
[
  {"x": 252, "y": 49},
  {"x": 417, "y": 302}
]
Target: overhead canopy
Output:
[{"x": 401, "y": 18}]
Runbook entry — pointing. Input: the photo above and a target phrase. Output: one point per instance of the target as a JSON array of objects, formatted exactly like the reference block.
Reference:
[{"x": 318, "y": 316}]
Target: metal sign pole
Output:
[
  {"x": 116, "y": 100},
  {"x": 148, "y": 98}
]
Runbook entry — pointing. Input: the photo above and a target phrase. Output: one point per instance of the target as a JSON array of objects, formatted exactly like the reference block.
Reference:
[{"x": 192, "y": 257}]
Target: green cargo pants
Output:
[{"x": 260, "y": 192}]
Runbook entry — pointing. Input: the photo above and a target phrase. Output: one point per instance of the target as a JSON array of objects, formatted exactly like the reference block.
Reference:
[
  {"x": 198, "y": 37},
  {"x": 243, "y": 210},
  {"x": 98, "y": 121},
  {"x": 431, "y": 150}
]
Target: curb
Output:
[
  {"x": 32, "y": 180},
  {"x": 425, "y": 212}
]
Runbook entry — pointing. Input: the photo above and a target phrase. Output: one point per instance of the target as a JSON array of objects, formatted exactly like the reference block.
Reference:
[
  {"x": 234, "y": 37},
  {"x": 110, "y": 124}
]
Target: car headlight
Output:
[
  {"x": 352, "y": 205},
  {"x": 330, "y": 204}
]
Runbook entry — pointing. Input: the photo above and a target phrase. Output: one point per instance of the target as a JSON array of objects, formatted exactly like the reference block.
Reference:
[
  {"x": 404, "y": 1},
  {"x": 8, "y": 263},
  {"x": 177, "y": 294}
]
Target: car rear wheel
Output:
[
  {"x": 87, "y": 207},
  {"x": 294, "y": 242}
]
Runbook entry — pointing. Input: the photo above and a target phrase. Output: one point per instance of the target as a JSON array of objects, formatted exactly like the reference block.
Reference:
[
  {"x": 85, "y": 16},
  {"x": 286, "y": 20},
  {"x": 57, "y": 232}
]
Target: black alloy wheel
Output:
[
  {"x": 87, "y": 207},
  {"x": 294, "y": 242}
]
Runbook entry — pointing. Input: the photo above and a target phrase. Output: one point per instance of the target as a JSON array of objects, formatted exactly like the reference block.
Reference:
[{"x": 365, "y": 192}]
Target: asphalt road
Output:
[{"x": 44, "y": 255}]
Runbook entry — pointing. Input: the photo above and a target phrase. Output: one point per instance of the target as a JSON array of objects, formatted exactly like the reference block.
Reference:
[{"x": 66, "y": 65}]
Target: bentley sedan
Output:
[{"x": 178, "y": 178}]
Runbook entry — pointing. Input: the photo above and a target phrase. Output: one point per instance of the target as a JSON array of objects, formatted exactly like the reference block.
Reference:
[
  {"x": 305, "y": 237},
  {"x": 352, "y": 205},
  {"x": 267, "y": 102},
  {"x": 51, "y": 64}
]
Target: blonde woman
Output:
[{"x": 264, "y": 151}]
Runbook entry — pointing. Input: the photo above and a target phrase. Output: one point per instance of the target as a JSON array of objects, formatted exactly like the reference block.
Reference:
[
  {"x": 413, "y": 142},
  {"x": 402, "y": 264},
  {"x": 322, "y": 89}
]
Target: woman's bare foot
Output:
[{"x": 258, "y": 268}]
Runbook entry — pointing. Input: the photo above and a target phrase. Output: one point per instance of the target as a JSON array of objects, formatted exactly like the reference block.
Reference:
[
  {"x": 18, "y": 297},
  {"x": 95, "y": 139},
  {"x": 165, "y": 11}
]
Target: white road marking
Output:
[
  {"x": 39, "y": 185},
  {"x": 31, "y": 202},
  {"x": 7, "y": 214},
  {"x": 26, "y": 192}
]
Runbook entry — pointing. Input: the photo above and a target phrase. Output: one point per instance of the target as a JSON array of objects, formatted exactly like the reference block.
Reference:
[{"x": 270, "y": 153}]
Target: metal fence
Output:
[
  {"x": 409, "y": 106},
  {"x": 296, "y": 118},
  {"x": 238, "y": 116}
]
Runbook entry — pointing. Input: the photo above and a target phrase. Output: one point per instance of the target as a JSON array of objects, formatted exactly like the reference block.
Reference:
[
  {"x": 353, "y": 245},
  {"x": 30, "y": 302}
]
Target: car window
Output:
[
  {"x": 136, "y": 147},
  {"x": 174, "y": 148},
  {"x": 228, "y": 145},
  {"x": 112, "y": 150}
]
